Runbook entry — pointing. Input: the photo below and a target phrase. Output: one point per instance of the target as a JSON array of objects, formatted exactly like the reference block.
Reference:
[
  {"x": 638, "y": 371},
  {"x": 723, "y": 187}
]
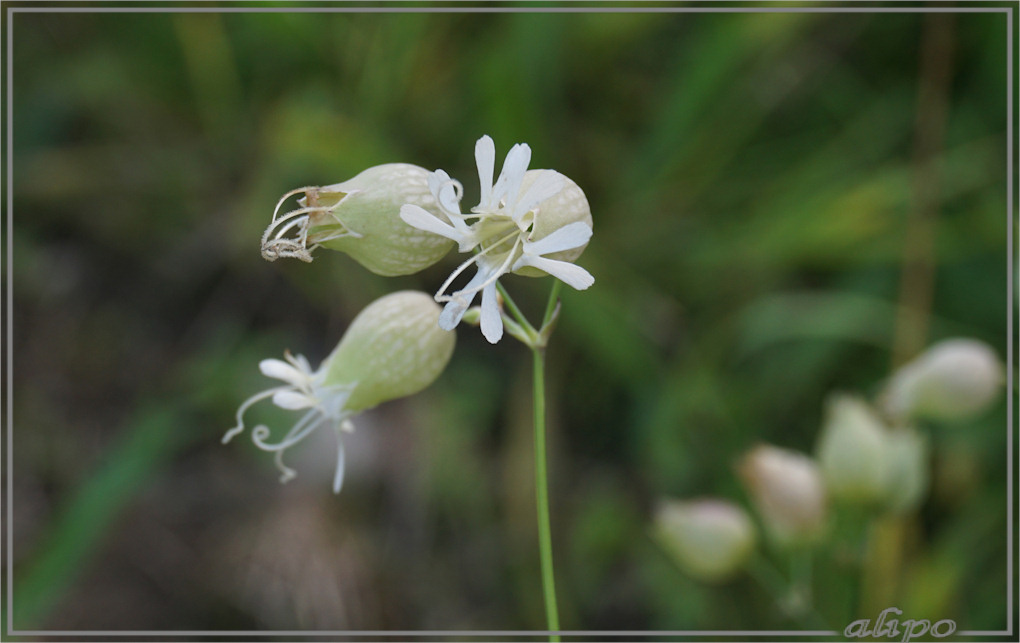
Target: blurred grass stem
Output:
[{"x": 884, "y": 556}]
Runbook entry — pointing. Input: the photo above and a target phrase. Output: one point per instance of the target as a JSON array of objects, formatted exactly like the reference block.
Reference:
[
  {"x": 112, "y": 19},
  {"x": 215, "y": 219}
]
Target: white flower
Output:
[
  {"x": 304, "y": 389},
  {"x": 527, "y": 222},
  {"x": 393, "y": 348}
]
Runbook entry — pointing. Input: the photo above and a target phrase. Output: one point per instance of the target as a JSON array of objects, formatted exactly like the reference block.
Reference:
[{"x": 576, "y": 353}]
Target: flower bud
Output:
[
  {"x": 956, "y": 379},
  {"x": 852, "y": 451},
  {"x": 361, "y": 217},
  {"x": 708, "y": 539},
  {"x": 393, "y": 348},
  {"x": 909, "y": 469},
  {"x": 788, "y": 492}
]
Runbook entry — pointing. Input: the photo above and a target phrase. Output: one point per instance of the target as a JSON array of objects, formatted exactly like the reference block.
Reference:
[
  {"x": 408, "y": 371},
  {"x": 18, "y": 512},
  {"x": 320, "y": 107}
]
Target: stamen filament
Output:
[
  {"x": 301, "y": 221},
  {"x": 440, "y": 297},
  {"x": 229, "y": 435},
  {"x": 297, "y": 433},
  {"x": 279, "y": 203}
]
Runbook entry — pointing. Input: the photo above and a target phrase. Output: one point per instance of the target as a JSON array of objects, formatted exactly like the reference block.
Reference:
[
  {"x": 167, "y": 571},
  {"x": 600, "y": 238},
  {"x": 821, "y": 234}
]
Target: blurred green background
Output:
[{"x": 755, "y": 181}]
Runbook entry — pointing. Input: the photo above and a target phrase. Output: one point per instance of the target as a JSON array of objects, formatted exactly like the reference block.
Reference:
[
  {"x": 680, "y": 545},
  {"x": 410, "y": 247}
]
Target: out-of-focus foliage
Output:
[{"x": 753, "y": 178}]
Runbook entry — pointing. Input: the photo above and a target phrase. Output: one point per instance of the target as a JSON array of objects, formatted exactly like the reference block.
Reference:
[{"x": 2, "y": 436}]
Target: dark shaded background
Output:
[{"x": 756, "y": 181}]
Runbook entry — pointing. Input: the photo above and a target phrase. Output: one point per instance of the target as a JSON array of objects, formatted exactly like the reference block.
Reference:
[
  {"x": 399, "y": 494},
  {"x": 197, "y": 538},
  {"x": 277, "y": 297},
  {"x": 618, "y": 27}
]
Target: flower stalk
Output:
[
  {"x": 518, "y": 326},
  {"x": 542, "y": 495}
]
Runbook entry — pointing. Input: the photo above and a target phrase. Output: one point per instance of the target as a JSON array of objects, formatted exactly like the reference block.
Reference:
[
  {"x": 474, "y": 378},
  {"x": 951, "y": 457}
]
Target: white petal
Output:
[
  {"x": 280, "y": 370},
  {"x": 573, "y": 275},
  {"x": 492, "y": 323},
  {"x": 338, "y": 477},
  {"x": 454, "y": 311},
  {"x": 485, "y": 157},
  {"x": 448, "y": 197},
  {"x": 436, "y": 180},
  {"x": 573, "y": 235},
  {"x": 514, "y": 167},
  {"x": 302, "y": 363},
  {"x": 292, "y": 400},
  {"x": 546, "y": 185},
  {"x": 422, "y": 219}
]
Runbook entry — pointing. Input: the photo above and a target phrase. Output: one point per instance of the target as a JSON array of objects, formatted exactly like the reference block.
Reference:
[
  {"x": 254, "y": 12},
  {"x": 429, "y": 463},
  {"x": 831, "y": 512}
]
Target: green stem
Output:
[
  {"x": 542, "y": 496},
  {"x": 535, "y": 340}
]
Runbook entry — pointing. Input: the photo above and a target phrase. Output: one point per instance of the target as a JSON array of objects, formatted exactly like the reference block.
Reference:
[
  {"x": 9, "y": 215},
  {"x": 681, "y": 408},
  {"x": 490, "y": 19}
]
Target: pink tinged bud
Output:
[
  {"x": 709, "y": 539},
  {"x": 788, "y": 493}
]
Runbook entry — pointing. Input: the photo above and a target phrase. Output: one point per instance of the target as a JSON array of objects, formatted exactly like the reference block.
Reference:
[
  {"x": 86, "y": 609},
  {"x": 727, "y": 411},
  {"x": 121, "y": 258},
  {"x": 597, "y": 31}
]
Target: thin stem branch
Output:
[
  {"x": 514, "y": 310},
  {"x": 550, "y": 306}
]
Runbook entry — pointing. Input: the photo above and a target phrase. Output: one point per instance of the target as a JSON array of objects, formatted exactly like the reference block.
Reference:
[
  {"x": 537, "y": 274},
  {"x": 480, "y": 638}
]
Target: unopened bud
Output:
[
  {"x": 708, "y": 539},
  {"x": 852, "y": 451},
  {"x": 361, "y": 217},
  {"x": 788, "y": 492},
  {"x": 956, "y": 379}
]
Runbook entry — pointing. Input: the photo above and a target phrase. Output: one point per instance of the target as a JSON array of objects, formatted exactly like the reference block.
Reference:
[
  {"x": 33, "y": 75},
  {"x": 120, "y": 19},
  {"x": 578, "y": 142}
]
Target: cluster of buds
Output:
[
  {"x": 869, "y": 456},
  {"x": 398, "y": 219}
]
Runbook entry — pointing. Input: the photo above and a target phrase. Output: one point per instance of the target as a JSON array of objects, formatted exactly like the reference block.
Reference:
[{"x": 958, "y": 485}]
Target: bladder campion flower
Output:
[
  {"x": 393, "y": 348},
  {"x": 530, "y": 222},
  {"x": 361, "y": 217}
]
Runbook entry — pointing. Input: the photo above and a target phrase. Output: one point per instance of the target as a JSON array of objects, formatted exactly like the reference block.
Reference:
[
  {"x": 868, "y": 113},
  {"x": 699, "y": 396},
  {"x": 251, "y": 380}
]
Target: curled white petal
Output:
[
  {"x": 570, "y": 236},
  {"x": 571, "y": 274}
]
